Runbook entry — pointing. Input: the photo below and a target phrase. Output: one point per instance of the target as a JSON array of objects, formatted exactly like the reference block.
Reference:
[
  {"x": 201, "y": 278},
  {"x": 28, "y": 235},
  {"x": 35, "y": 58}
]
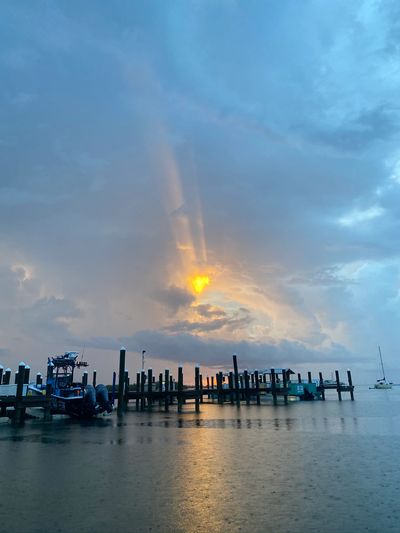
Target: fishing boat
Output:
[
  {"x": 382, "y": 383},
  {"x": 68, "y": 397}
]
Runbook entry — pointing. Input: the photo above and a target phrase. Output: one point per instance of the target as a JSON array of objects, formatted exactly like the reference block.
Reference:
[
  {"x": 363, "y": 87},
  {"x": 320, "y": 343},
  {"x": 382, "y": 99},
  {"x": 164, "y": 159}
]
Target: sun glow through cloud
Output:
[{"x": 199, "y": 283}]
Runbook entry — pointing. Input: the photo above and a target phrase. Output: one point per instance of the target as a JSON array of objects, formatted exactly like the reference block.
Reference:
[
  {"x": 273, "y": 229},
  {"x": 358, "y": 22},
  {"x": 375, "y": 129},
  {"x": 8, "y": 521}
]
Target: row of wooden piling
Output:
[{"x": 241, "y": 387}]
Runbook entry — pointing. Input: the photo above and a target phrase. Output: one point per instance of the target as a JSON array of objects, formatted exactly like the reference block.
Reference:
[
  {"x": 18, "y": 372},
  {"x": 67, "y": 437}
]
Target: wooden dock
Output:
[
  {"x": 146, "y": 391},
  {"x": 16, "y": 398}
]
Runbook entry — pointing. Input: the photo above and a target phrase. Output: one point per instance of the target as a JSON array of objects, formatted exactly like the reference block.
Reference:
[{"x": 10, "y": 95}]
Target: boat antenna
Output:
[
  {"x": 380, "y": 356},
  {"x": 83, "y": 351}
]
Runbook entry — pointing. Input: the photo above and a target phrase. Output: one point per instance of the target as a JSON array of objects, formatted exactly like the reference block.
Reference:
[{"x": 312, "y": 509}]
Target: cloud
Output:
[
  {"x": 212, "y": 321},
  {"x": 48, "y": 316},
  {"x": 209, "y": 311},
  {"x": 175, "y": 298},
  {"x": 186, "y": 160},
  {"x": 376, "y": 124},
  {"x": 218, "y": 353},
  {"x": 186, "y": 347}
]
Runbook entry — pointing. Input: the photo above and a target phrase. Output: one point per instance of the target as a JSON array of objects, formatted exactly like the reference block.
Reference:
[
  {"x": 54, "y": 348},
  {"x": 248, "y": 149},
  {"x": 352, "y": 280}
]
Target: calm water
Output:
[{"x": 325, "y": 467}]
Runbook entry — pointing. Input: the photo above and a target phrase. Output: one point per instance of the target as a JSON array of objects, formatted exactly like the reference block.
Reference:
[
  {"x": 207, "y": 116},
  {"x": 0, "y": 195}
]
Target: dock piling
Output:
[
  {"x": 150, "y": 388},
  {"x": 246, "y": 386},
  {"x": 273, "y": 386},
  {"x": 197, "y": 387},
  {"x": 257, "y": 380},
  {"x": 19, "y": 410},
  {"x": 122, "y": 354},
  {"x": 284, "y": 381},
  {"x": 7, "y": 376},
  {"x": 236, "y": 376},
  {"x": 350, "y": 382},
  {"x": 339, "y": 392},
  {"x": 180, "y": 388},
  {"x": 321, "y": 386},
  {"x": 167, "y": 398},
  {"x": 126, "y": 388}
]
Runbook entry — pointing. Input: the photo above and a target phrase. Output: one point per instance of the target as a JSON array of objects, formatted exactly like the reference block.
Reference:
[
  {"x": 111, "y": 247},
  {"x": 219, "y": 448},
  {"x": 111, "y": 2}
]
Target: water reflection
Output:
[
  {"x": 220, "y": 470},
  {"x": 325, "y": 424}
]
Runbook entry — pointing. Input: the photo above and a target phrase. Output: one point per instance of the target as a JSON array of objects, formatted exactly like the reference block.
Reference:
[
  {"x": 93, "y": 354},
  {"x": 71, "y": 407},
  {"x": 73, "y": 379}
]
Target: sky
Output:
[{"x": 199, "y": 179}]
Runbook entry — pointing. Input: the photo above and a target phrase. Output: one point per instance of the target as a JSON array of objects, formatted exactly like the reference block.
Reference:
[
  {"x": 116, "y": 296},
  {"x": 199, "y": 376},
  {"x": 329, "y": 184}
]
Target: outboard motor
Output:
[
  {"x": 103, "y": 399},
  {"x": 89, "y": 401},
  {"x": 308, "y": 395}
]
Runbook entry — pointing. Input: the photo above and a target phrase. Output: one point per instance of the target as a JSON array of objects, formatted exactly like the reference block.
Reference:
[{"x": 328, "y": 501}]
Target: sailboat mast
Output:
[{"x": 380, "y": 355}]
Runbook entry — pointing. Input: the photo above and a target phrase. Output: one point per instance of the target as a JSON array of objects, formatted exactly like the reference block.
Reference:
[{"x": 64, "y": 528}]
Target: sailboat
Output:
[{"x": 382, "y": 383}]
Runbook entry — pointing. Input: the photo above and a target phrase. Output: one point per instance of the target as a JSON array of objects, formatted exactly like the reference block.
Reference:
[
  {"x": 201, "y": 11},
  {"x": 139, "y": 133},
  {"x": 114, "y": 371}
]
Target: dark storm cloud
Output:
[
  {"x": 209, "y": 352},
  {"x": 174, "y": 298}
]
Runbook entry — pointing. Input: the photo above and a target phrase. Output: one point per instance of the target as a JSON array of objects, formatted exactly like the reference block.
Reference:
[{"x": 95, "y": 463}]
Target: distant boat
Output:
[
  {"x": 332, "y": 383},
  {"x": 382, "y": 383}
]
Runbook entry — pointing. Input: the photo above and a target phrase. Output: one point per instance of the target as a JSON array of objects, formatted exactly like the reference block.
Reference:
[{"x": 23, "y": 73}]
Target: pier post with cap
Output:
[
  {"x": 201, "y": 388},
  {"x": 257, "y": 382},
  {"x": 6, "y": 381},
  {"x": 230, "y": 382},
  {"x": 220, "y": 383},
  {"x": 126, "y": 388},
  {"x": 246, "y": 386},
  {"x": 236, "y": 377},
  {"x": 121, "y": 380},
  {"x": 27, "y": 374},
  {"x": 50, "y": 370},
  {"x": 350, "y": 381},
  {"x": 338, "y": 389},
  {"x": 150, "y": 388},
  {"x": 47, "y": 409},
  {"x": 166, "y": 380},
  {"x": 142, "y": 389},
  {"x": 137, "y": 390},
  {"x": 180, "y": 388},
  {"x": 114, "y": 380},
  {"x": 160, "y": 387},
  {"x": 19, "y": 410},
  {"x": 321, "y": 386},
  {"x": 273, "y": 386},
  {"x": 171, "y": 389},
  {"x": 285, "y": 386},
  {"x": 197, "y": 387},
  {"x": 7, "y": 376}
]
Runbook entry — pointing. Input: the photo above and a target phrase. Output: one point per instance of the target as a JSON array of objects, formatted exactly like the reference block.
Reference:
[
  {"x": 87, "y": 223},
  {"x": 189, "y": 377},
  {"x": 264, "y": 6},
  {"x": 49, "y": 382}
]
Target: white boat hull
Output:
[{"x": 382, "y": 386}]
